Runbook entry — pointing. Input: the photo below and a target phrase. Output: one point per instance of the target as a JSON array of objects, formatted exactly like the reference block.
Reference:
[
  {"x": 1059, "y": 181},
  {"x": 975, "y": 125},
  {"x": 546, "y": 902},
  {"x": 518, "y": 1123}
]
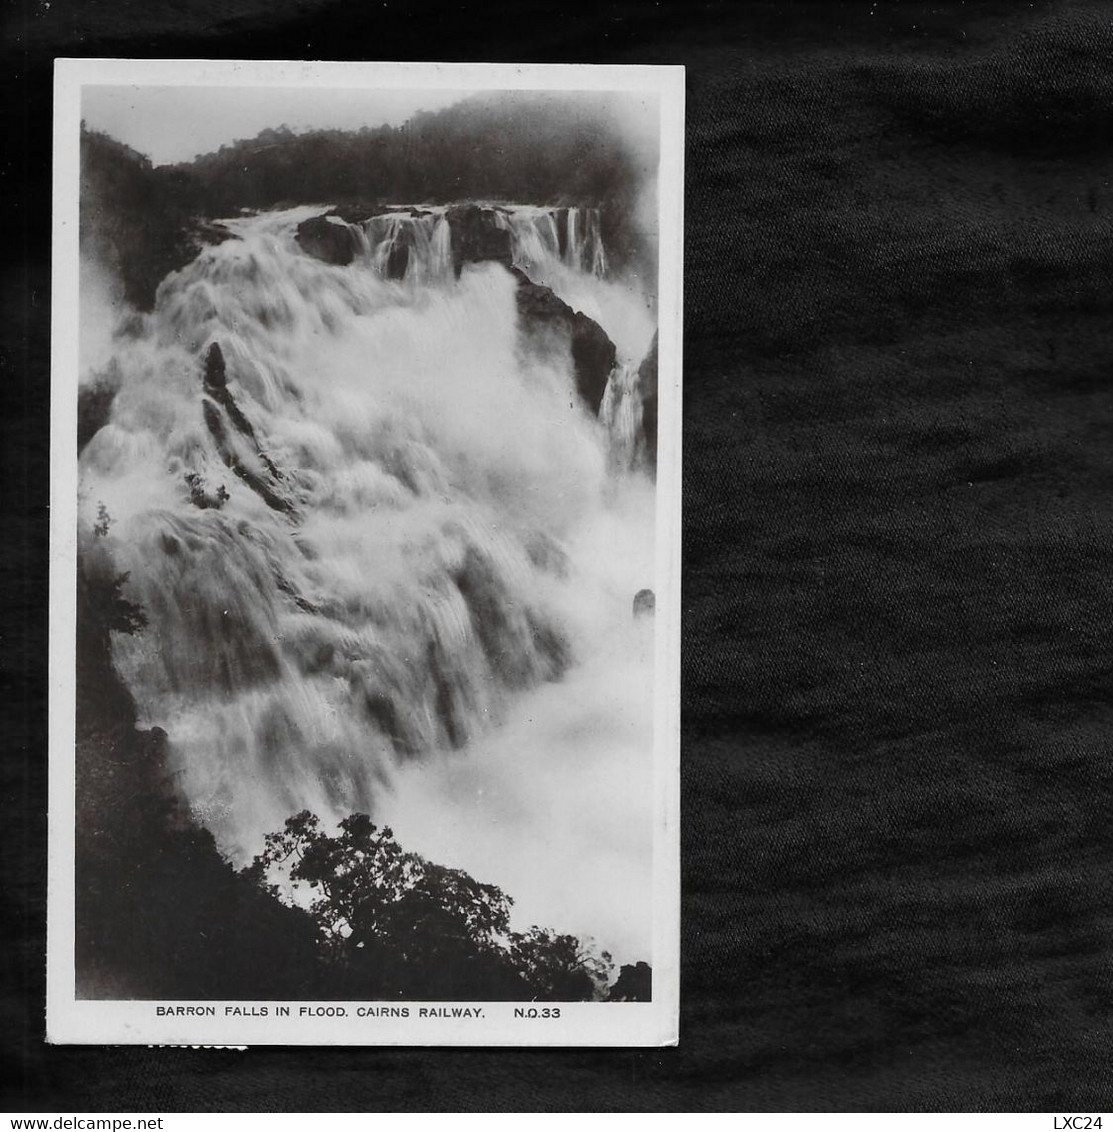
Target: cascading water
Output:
[
  {"x": 402, "y": 245},
  {"x": 387, "y": 556}
]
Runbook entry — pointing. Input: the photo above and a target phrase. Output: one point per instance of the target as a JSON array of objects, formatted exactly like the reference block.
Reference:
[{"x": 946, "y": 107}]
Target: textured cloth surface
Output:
[{"x": 897, "y": 859}]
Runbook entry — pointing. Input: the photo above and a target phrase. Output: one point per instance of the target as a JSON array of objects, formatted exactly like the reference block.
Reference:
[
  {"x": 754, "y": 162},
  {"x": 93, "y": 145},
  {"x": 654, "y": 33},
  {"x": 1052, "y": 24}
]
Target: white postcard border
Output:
[{"x": 80, "y": 1021}]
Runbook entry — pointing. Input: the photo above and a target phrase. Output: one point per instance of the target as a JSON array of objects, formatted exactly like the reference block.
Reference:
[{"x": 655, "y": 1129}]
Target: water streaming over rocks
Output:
[{"x": 386, "y": 551}]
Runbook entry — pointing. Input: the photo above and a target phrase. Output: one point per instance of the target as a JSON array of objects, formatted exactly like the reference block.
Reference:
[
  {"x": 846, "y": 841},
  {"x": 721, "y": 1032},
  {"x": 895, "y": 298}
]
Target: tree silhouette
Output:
[
  {"x": 558, "y": 968},
  {"x": 401, "y": 926},
  {"x": 634, "y": 984}
]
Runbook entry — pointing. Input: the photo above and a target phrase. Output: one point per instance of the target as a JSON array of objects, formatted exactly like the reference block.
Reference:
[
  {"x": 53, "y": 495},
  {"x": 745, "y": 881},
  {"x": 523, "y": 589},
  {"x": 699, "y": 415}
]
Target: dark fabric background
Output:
[{"x": 898, "y": 551}]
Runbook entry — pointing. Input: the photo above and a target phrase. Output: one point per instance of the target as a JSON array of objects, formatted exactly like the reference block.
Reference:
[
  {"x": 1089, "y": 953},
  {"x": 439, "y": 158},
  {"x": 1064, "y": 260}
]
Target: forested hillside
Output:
[{"x": 144, "y": 221}]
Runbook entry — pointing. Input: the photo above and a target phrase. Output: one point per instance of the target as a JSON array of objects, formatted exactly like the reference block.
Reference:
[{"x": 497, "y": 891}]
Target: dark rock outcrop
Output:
[
  {"x": 138, "y": 222},
  {"x": 130, "y": 223},
  {"x": 647, "y": 387},
  {"x": 242, "y": 454},
  {"x": 398, "y": 260},
  {"x": 356, "y": 212},
  {"x": 216, "y": 373},
  {"x": 328, "y": 240},
  {"x": 562, "y": 231},
  {"x": 359, "y": 212},
  {"x": 541, "y": 313},
  {"x": 476, "y": 236},
  {"x": 94, "y": 405},
  {"x": 216, "y": 386},
  {"x": 212, "y": 232}
]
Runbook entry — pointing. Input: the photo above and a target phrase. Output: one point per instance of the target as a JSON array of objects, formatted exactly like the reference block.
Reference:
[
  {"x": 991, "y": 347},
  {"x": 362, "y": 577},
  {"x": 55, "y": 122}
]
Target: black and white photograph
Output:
[
  {"x": 365, "y": 622},
  {"x": 559, "y": 559}
]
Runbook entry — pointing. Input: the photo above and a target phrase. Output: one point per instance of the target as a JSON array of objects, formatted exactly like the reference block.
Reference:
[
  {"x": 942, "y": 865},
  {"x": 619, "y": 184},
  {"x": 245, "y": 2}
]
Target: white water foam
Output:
[{"x": 405, "y": 586}]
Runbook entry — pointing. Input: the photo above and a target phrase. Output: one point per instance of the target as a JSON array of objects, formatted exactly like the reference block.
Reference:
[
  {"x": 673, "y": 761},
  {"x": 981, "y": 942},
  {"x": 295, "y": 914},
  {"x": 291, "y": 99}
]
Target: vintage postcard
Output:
[{"x": 365, "y": 554}]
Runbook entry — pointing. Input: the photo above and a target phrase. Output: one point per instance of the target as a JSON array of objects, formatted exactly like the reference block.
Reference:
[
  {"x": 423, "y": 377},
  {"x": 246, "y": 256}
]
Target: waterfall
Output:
[
  {"x": 400, "y": 245},
  {"x": 561, "y": 248},
  {"x": 538, "y": 245},
  {"x": 621, "y": 413},
  {"x": 387, "y": 557}
]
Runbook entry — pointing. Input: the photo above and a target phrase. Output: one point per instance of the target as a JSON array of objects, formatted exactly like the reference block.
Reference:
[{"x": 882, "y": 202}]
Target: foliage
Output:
[
  {"x": 558, "y": 967},
  {"x": 105, "y": 609},
  {"x": 102, "y": 606},
  {"x": 104, "y": 522},
  {"x": 200, "y": 496},
  {"x": 412, "y": 928},
  {"x": 115, "y": 612},
  {"x": 538, "y": 148}
]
